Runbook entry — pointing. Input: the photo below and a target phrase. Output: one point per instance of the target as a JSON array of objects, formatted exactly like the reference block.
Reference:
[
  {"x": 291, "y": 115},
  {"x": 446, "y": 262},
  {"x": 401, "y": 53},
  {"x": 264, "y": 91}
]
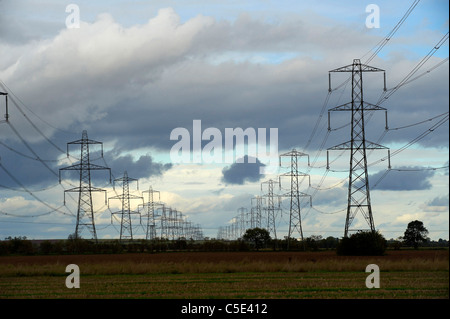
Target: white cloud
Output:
[{"x": 132, "y": 83}]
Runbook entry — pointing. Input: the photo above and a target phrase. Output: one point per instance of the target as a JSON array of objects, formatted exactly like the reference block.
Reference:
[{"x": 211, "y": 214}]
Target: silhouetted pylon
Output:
[{"x": 85, "y": 211}]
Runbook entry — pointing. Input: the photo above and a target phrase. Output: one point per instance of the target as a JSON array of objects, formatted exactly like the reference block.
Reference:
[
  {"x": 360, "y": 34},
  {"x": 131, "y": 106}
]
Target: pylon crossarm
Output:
[{"x": 349, "y": 107}]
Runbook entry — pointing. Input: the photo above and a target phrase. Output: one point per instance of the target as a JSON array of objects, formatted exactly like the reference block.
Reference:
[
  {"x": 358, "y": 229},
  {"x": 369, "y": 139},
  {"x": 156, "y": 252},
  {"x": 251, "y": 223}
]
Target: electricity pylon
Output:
[
  {"x": 256, "y": 211},
  {"x": 126, "y": 229},
  {"x": 358, "y": 184},
  {"x": 164, "y": 228},
  {"x": 85, "y": 212},
  {"x": 271, "y": 209},
  {"x": 295, "y": 217},
  {"x": 150, "y": 213},
  {"x": 241, "y": 217}
]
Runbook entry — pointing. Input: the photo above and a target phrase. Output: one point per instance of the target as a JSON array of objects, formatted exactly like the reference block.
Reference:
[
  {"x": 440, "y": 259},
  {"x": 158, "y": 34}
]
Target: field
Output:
[{"x": 404, "y": 274}]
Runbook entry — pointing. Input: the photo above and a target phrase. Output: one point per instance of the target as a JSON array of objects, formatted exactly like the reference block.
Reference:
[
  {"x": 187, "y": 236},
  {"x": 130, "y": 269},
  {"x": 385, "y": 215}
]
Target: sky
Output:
[{"x": 131, "y": 73}]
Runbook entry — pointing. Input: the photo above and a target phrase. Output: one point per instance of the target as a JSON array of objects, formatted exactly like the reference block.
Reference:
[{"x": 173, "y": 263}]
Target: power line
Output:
[
  {"x": 36, "y": 128},
  {"x": 34, "y": 191},
  {"x": 25, "y": 155},
  {"x": 30, "y": 216},
  {"x": 85, "y": 212},
  {"x": 385, "y": 95},
  {"x": 31, "y": 149},
  {"x": 6, "y": 88},
  {"x": 418, "y": 123},
  {"x": 380, "y": 45},
  {"x": 29, "y": 192},
  {"x": 419, "y": 76}
]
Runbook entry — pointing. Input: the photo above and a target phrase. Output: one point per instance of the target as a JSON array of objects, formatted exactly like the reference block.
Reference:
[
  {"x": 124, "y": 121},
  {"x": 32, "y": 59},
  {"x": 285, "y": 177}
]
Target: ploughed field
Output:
[{"x": 228, "y": 275}]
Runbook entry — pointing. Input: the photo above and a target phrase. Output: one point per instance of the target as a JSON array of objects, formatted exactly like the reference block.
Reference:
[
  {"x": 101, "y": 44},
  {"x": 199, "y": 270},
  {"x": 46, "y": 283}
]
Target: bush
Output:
[
  {"x": 46, "y": 247},
  {"x": 257, "y": 237},
  {"x": 18, "y": 245},
  {"x": 362, "y": 244}
]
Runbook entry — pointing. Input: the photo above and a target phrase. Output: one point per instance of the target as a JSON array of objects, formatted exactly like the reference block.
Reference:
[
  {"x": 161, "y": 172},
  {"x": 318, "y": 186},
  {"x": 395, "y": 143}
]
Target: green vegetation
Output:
[
  {"x": 233, "y": 285},
  {"x": 415, "y": 234},
  {"x": 404, "y": 274},
  {"x": 257, "y": 237},
  {"x": 23, "y": 246},
  {"x": 363, "y": 244}
]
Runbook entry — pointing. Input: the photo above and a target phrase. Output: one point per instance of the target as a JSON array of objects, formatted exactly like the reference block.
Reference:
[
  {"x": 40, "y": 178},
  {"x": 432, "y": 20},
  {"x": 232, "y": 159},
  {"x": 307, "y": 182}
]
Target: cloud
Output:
[
  {"x": 404, "y": 180},
  {"x": 439, "y": 201},
  {"x": 437, "y": 204},
  {"x": 239, "y": 173},
  {"x": 142, "y": 167},
  {"x": 141, "y": 81},
  {"x": 130, "y": 83}
]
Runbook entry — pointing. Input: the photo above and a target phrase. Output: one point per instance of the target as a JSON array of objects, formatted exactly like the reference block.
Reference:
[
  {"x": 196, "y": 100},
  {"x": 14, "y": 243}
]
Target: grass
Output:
[
  {"x": 228, "y": 276},
  {"x": 233, "y": 285}
]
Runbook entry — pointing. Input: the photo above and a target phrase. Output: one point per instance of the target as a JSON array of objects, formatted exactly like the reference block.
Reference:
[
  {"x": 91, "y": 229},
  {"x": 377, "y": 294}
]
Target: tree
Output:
[
  {"x": 258, "y": 236},
  {"x": 362, "y": 243},
  {"x": 415, "y": 234}
]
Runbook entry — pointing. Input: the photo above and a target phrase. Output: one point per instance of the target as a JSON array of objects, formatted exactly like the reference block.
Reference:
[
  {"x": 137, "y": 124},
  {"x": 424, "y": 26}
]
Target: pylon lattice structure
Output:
[
  {"x": 271, "y": 208},
  {"x": 358, "y": 184},
  {"x": 256, "y": 211},
  {"x": 85, "y": 211},
  {"x": 126, "y": 227},
  {"x": 295, "y": 217},
  {"x": 164, "y": 227},
  {"x": 150, "y": 214},
  {"x": 242, "y": 214}
]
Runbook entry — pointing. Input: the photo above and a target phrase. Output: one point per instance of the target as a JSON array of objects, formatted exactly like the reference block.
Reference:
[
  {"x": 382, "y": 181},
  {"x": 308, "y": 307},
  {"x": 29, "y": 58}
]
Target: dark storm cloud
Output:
[
  {"x": 407, "y": 180},
  {"x": 28, "y": 169},
  {"x": 171, "y": 74},
  {"x": 41, "y": 168},
  {"x": 143, "y": 167},
  {"x": 239, "y": 173}
]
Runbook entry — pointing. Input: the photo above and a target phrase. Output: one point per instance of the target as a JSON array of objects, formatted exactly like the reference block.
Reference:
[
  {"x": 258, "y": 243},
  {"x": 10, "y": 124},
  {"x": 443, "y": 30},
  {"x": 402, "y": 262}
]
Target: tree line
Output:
[{"x": 255, "y": 239}]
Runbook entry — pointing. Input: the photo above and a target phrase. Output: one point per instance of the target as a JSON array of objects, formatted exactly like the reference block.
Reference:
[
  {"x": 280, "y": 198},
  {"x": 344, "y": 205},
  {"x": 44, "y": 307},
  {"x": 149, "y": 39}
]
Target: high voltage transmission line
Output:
[
  {"x": 85, "y": 211},
  {"x": 295, "y": 217},
  {"x": 126, "y": 229},
  {"x": 150, "y": 214},
  {"x": 172, "y": 212},
  {"x": 177, "y": 225},
  {"x": 359, "y": 200},
  {"x": 386, "y": 94}
]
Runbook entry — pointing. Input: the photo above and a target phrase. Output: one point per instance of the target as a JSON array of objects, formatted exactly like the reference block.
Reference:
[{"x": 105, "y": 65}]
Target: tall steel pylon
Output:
[
  {"x": 256, "y": 211},
  {"x": 242, "y": 220},
  {"x": 271, "y": 208},
  {"x": 126, "y": 228},
  {"x": 358, "y": 184},
  {"x": 151, "y": 213},
  {"x": 164, "y": 226},
  {"x": 85, "y": 212},
  {"x": 295, "y": 217}
]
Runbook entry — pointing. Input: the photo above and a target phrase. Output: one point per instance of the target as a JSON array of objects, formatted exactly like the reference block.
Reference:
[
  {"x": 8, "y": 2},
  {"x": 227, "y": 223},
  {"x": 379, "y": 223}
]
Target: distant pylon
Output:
[
  {"x": 271, "y": 208},
  {"x": 164, "y": 228},
  {"x": 295, "y": 217},
  {"x": 358, "y": 184},
  {"x": 126, "y": 229},
  {"x": 256, "y": 212},
  {"x": 241, "y": 217},
  {"x": 85, "y": 212},
  {"x": 151, "y": 213}
]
